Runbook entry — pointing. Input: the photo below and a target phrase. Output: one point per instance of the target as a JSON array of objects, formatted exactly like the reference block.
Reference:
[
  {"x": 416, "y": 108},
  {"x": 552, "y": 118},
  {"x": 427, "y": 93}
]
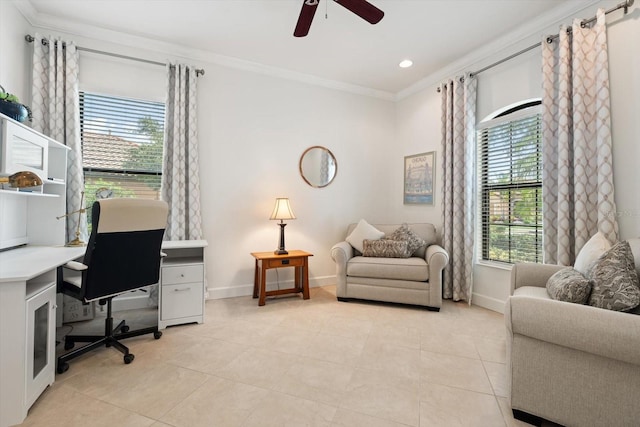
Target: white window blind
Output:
[
  {"x": 122, "y": 146},
  {"x": 510, "y": 159}
]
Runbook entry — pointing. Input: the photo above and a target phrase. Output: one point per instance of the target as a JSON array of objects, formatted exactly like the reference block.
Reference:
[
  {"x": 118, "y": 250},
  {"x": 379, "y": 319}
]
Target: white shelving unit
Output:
[
  {"x": 28, "y": 279},
  {"x": 32, "y": 214}
]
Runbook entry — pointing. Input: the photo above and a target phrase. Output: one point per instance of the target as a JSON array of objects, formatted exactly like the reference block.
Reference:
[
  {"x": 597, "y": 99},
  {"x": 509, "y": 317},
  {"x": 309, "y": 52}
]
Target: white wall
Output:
[
  {"x": 15, "y": 60},
  {"x": 253, "y": 130},
  {"x": 417, "y": 131},
  {"x": 253, "y": 127},
  {"x": 624, "y": 59},
  {"x": 518, "y": 79}
]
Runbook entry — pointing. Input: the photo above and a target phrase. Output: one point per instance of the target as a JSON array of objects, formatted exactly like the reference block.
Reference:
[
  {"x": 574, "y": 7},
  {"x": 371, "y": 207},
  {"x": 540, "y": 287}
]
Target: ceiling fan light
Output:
[
  {"x": 312, "y": 2},
  {"x": 406, "y": 63}
]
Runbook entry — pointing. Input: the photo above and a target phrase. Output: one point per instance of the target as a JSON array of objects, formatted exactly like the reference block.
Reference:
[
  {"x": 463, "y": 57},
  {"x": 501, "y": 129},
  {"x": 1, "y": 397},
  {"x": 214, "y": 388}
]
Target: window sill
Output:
[{"x": 495, "y": 264}]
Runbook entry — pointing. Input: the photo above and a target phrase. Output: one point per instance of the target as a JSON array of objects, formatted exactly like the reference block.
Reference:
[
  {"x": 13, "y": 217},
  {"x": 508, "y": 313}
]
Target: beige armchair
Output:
[
  {"x": 416, "y": 280},
  {"x": 572, "y": 364}
]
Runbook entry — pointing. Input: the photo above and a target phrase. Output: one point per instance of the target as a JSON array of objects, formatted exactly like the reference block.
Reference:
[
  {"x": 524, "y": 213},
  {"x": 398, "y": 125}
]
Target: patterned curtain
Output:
[
  {"x": 56, "y": 113},
  {"x": 180, "y": 173},
  {"x": 458, "y": 206},
  {"x": 324, "y": 167},
  {"x": 578, "y": 193}
]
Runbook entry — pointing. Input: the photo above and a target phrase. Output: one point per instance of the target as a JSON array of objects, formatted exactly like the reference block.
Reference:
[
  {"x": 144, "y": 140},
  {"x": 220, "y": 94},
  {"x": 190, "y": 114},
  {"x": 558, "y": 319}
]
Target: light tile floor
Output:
[{"x": 292, "y": 362}]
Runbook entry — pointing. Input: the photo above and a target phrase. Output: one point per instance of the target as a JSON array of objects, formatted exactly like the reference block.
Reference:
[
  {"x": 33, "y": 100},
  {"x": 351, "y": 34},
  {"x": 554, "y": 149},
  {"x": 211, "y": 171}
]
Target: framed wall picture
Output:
[{"x": 419, "y": 178}]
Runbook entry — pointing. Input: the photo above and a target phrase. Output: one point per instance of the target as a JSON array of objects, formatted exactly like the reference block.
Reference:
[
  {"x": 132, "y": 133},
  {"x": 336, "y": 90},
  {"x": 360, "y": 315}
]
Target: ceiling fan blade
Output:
[
  {"x": 305, "y": 18},
  {"x": 363, "y": 9}
]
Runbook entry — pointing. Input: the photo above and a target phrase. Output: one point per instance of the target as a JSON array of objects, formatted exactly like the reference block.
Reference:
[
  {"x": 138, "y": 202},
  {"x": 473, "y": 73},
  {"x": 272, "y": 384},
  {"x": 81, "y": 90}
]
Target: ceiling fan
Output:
[{"x": 362, "y": 8}]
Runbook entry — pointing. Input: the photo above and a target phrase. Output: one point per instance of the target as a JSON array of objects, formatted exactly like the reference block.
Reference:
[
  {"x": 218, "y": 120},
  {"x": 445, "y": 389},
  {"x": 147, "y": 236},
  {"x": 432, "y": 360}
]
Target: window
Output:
[
  {"x": 122, "y": 143},
  {"x": 510, "y": 174}
]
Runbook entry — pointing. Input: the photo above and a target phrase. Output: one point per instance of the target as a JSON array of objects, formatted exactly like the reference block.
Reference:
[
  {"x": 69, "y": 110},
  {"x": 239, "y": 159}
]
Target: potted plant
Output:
[{"x": 11, "y": 107}]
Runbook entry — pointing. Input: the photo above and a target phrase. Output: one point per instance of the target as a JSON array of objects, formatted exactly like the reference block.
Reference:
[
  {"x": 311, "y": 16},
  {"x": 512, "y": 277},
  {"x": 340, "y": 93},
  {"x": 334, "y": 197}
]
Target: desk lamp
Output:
[
  {"x": 77, "y": 241},
  {"x": 282, "y": 210}
]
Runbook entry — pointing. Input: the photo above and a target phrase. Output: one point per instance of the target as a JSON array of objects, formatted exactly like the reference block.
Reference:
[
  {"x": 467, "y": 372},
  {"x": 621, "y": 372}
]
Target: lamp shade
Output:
[{"x": 282, "y": 209}]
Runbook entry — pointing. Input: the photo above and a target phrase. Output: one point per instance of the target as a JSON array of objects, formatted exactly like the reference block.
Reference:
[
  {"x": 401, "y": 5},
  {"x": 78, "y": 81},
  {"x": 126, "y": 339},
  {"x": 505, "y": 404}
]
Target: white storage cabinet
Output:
[{"x": 182, "y": 284}]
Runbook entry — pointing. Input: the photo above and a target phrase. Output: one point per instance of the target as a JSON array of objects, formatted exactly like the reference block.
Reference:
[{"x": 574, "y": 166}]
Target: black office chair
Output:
[{"x": 123, "y": 254}]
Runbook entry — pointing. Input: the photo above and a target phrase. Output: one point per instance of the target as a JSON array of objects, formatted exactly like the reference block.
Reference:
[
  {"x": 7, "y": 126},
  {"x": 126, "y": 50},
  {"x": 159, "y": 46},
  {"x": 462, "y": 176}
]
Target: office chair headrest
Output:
[{"x": 127, "y": 214}]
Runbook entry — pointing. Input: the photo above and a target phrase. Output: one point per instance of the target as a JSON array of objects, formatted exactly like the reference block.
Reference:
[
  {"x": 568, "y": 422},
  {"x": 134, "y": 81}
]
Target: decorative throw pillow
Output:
[
  {"x": 569, "y": 285},
  {"x": 590, "y": 252},
  {"x": 404, "y": 233},
  {"x": 363, "y": 231},
  {"x": 614, "y": 280},
  {"x": 386, "y": 248}
]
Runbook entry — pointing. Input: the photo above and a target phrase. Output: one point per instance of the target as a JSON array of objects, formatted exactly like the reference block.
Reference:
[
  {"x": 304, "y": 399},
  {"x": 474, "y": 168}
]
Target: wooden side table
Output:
[{"x": 266, "y": 260}]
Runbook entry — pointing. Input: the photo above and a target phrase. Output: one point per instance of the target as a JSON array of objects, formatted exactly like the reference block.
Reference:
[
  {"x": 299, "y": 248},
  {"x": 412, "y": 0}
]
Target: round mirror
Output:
[{"x": 318, "y": 166}]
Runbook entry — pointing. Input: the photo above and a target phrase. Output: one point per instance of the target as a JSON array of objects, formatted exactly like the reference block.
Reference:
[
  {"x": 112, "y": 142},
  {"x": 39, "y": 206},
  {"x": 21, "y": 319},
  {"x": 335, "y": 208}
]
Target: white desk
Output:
[
  {"x": 26, "y": 262},
  {"x": 27, "y": 275}
]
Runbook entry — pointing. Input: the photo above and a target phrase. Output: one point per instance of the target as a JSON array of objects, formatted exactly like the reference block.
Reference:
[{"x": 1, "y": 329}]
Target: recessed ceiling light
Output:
[{"x": 406, "y": 63}]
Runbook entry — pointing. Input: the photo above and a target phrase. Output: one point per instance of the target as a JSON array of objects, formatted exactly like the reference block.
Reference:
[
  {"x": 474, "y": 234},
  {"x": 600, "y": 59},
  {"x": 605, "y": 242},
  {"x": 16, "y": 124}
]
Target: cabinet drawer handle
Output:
[{"x": 181, "y": 290}]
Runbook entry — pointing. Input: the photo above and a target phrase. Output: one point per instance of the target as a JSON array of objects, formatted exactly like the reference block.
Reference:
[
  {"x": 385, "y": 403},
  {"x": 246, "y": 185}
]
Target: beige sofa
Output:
[
  {"x": 572, "y": 364},
  {"x": 416, "y": 280}
]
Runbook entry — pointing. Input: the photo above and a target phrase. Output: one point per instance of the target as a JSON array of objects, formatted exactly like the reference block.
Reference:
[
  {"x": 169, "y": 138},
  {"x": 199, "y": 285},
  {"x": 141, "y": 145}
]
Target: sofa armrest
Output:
[
  {"x": 341, "y": 253},
  {"x": 531, "y": 274},
  {"x": 437, "y": 259},
  {"x": 606, "y": 333}
]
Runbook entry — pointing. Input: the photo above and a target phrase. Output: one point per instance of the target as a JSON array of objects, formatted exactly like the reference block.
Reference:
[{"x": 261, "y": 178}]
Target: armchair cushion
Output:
[
  {"x": 363, "y": 231},
  {"x": 385, "y": 248},
  {"x": 532, "y": 291},
  {"x": 410, "y": 269},
  {"x": 569, "y": 285},
  {"x": 615, "y": 281},
  {"x": 404, "y": 233}
]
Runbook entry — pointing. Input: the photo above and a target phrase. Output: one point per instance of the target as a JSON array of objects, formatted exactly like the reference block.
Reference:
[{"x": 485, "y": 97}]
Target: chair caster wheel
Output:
[
  {"x": 157, "y": 335},
  {"x": 128, "y": 358},
  {"x": 124, "y": 329},
  {"x": 62, "y": 367},
  {"x": 68, "y": 345}
]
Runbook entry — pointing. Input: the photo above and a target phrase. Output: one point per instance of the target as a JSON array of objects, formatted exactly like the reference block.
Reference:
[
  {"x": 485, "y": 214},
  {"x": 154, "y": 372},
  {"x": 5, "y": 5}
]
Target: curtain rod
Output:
[
  {"x": 29, "y": 38},
  {"x": 624, "y": 5}
]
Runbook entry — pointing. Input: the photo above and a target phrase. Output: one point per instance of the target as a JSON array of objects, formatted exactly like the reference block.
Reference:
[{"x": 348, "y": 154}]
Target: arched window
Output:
[{"x": 510, "y": 184}]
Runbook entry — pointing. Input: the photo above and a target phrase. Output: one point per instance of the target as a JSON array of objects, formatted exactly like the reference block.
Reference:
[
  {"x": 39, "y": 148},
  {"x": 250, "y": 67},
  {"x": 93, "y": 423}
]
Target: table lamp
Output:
[{"x": 282, "y": 210}]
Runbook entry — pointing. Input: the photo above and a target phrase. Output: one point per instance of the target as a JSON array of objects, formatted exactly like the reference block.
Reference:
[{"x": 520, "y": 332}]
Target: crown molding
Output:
[
  {"x": 159, "y": 51},
  {"x": 501, "y": 47},
  {"x": 508, "y": 43}
]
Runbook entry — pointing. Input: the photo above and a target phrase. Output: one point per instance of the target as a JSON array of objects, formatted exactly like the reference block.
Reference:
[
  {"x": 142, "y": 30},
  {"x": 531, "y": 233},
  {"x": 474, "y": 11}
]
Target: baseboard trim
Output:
[
  {"x": 245, "y": 290},
  {"x": 230, "y": 292},
  {"x": 489, "y": 303}
]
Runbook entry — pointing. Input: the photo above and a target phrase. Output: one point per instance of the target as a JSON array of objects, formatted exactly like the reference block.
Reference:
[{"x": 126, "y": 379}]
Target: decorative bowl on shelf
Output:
[
  {"x": 14, "y": 111},
  {"x": 22, "y": 179},
  {"x": 11, "y": 107}
]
